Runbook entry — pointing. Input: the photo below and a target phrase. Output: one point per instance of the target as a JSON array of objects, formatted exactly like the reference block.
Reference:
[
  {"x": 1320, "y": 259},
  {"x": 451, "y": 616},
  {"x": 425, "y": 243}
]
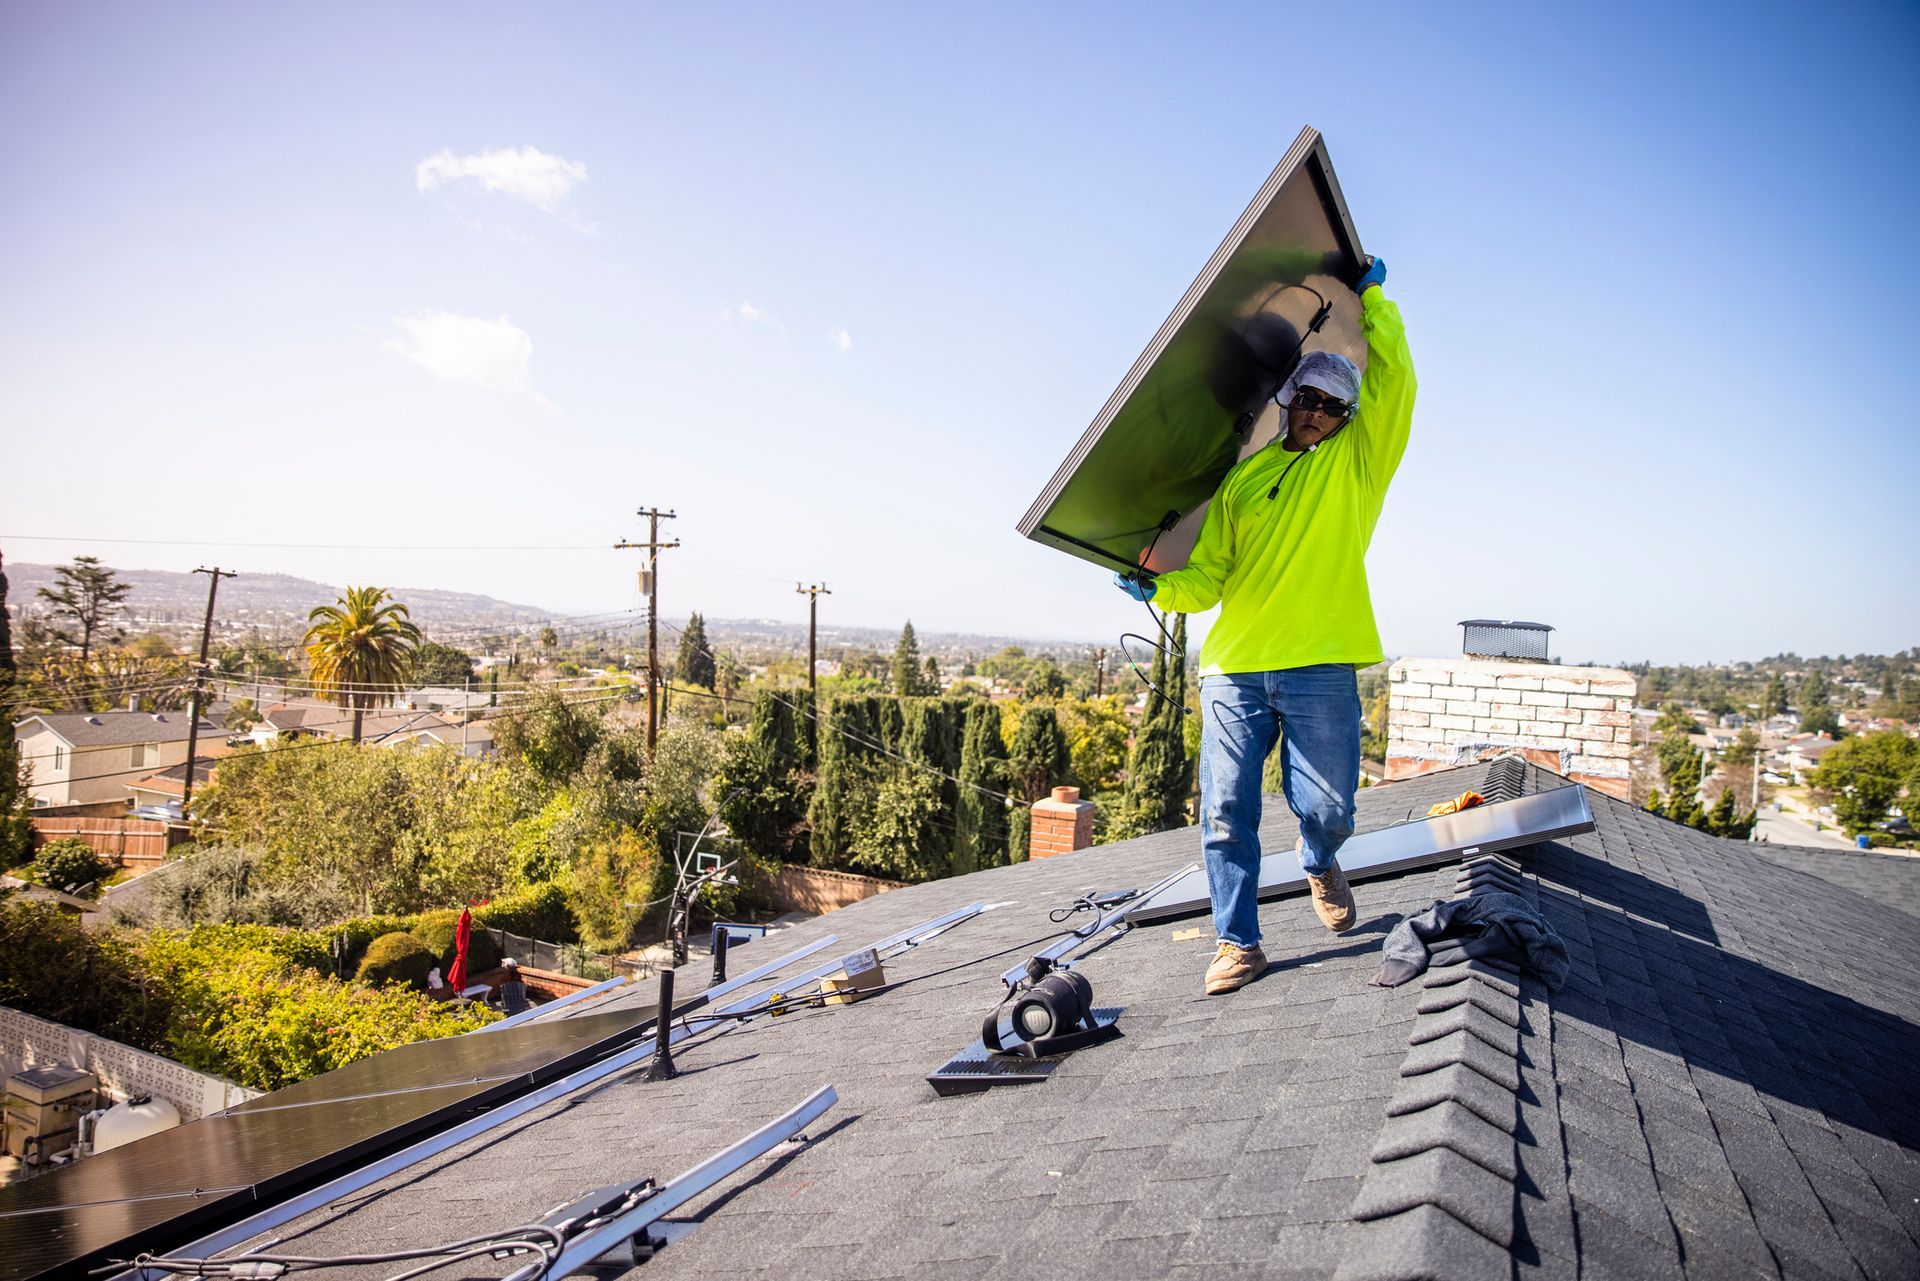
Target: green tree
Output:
[
  {"x": 1039, "y": 759},
  {"x": 6, "y": 636},
  {"x": 88, "y": 593},
  {"x": 1774, "y": 701},
  {"x": 1821, "y": 719},
  {"x": 930, "y": 682},
  {"x": 1813, "y": 691},
  {"x": 16, "y": 798},
  {"x": 1159, "y": 776},
  {"x": 1864, "y": 776},
  {"x": 695, "y": 664},
  {"x": 361, "y": 650},
  {"x": 1675, "y": 720},
  {"x": 437, "y": 664},
  {"x": 69, "y": 864},
  {"x": 243, "y": 715},
  {"x": 907, "y": 674},
  {"x": 980, "y": 835}
]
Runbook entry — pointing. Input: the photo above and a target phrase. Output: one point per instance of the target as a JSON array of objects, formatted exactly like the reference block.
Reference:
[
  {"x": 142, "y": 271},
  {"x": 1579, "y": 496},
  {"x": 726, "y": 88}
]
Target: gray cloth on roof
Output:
[
  {"x": 1496, "y": 926},
  {"x": 1326, "y": 371}
]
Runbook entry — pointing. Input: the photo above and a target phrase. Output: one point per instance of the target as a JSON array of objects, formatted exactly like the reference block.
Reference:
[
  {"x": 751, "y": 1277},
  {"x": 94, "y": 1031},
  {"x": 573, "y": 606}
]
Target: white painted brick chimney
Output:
[{"x": 1577, "y": 721}]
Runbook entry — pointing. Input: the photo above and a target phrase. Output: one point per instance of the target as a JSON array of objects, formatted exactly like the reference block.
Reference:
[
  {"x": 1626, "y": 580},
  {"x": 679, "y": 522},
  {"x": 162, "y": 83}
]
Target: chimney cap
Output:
[{"x": 1504, "y": 638}]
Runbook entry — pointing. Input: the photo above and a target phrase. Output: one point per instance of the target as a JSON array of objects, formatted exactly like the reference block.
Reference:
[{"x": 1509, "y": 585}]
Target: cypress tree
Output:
[
  {"x": 980, "y": 836},
  {"x": 16, "y": 828},
  {"x": 906, "y": 663},
  {"x": 931, "y": 682},
  {"x": 695, "y": 664},
  {"x": 1159, "y": 772}
]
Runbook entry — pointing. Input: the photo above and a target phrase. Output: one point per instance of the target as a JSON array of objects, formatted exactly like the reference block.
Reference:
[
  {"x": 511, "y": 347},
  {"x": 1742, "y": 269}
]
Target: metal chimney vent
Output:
[{"x": 1504, "y": 638}]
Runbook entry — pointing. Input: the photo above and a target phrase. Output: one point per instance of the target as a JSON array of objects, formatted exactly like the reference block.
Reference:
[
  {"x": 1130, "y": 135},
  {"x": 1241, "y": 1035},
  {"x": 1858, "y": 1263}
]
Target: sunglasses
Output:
[{"x": 1309, "y": 401}]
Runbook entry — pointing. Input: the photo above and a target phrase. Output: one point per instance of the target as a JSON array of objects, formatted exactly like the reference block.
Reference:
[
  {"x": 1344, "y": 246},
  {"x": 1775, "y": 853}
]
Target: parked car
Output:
[{"x": 1895, "y": 826}]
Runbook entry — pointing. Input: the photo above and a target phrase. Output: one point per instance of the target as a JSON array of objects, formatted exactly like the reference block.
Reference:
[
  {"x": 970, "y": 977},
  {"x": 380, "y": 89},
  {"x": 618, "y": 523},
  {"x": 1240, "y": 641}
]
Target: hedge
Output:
[{"x": 398, "y": 957}]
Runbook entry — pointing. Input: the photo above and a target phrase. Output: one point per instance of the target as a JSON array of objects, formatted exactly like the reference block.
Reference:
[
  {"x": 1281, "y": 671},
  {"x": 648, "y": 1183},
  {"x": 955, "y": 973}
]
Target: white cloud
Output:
[
  {"x": 752, "y": 315},
  {"x": 494, "y": 355},
  {"x": 525, "y": 173},
  {"x": 842, "y": 340}
]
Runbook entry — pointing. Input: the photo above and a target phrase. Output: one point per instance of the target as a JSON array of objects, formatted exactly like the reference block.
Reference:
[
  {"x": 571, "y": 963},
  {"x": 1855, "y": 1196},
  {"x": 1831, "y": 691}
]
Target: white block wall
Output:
[{"x": 1452, "y": 711}]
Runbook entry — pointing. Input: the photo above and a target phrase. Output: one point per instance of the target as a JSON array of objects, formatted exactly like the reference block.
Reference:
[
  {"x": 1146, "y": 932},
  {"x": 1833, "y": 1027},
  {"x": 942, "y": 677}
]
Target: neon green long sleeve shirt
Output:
[{"x": 1290, "y": 573}]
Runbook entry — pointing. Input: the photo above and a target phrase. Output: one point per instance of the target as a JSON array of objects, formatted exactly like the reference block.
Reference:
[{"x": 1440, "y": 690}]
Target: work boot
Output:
[
  {"x": 1234, "y": 967},
  {"x": 1332, "y": 900}
]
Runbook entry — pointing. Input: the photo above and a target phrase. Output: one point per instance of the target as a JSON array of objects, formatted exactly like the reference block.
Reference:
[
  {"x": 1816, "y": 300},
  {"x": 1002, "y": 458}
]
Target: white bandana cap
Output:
[{"x": 1325, "y": 371}]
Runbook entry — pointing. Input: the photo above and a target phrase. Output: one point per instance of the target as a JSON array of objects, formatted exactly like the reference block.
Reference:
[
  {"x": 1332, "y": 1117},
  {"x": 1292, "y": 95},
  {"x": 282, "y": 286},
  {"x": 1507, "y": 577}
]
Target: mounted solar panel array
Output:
[
  {"x": 1199, "y": 398},
  {"x": 1544, "y": 816},
  {"x": 200, "y": 1173},
  {"x": 349, "y": 1128}
]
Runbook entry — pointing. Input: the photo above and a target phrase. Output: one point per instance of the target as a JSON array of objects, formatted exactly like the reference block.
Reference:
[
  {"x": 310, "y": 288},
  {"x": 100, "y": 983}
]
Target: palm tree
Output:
[{"x": 358, "y": 645}]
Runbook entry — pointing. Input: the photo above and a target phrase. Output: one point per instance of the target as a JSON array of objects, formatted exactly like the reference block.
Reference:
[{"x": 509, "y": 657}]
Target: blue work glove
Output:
[
  {"x": 1375, "y": 274},
  {"x": 1139, "y": 589}
]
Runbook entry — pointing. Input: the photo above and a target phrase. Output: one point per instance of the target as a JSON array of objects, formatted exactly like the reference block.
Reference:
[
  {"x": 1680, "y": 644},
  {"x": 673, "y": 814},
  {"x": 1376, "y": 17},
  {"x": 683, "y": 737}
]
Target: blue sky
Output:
[{"x": 843, "y": 284}]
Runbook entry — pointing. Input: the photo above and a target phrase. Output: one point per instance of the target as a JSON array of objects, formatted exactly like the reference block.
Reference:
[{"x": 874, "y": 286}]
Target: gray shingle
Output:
[{"x": 1723, "y": 1083}]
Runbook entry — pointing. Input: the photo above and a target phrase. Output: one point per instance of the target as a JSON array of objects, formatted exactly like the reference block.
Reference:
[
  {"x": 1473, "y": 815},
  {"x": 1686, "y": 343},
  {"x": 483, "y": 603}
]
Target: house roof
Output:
[
  {"x": 1893, "y": 879},
  {"x": 172, "y": 781},
  {"x": 115, "y": 729},
  {"x": 1724, "y": 1087}
]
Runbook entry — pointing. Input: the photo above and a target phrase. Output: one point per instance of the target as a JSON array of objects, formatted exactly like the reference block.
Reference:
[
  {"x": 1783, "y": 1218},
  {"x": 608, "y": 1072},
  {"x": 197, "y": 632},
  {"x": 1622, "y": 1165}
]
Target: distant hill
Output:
[{"x": 163, "y": 598}]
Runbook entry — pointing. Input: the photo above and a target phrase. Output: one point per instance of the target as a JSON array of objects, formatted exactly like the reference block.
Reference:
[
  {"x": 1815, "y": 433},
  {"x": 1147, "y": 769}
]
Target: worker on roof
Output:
[{"x": 1282, "y": 551}]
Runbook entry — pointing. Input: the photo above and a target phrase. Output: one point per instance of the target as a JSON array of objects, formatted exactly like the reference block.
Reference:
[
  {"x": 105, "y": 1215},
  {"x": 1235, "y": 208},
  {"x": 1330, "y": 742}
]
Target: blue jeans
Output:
[{"x": 1314, "y": 712}]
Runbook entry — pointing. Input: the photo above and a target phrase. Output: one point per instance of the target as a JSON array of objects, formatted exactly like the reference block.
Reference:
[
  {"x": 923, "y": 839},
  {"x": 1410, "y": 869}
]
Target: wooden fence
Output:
[{"x": 140, "y": 843}]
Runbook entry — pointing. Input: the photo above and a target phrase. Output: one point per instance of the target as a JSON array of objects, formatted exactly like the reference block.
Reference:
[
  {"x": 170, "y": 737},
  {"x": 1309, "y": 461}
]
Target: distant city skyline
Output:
[{"x": 314, "y": 291}]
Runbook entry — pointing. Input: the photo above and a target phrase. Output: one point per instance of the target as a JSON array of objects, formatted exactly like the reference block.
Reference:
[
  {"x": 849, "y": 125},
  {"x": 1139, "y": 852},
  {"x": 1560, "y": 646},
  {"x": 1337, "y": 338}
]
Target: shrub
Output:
[
  {"x": 349, "y": 940},
  {"x": 538, "y": 910},
  {"x": 69, "y": 863},
  {"x": 440, "y": 931},
  {"x": 398, "y": 957},
  {"x": 224, "y": 883},
  {"x": 53, "y": 967},
  {"x": 247, "y": 1007}
]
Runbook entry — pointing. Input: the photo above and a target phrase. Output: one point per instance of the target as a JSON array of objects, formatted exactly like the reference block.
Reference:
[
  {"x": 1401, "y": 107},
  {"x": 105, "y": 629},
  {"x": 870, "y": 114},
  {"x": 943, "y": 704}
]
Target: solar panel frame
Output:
[
  {"x": 1528, "y": 820},
  {"x": 1198, "y": 398}
]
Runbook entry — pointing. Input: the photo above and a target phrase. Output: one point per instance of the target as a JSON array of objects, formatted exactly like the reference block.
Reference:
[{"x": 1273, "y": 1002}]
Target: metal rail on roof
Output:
[
  {"x": 353, "y": 1181},
  {"x": 632, "y": 1056},
  {"x": 1543, "y": 816},
  {"x": 1055, "y": 954},
  {"x": 618, "y": 1231},
  {"x": 535, "y": 1013}
]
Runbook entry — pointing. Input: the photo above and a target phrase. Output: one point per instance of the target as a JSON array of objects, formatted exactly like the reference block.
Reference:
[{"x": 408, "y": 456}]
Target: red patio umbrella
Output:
[{"x": 462, "y": 935}]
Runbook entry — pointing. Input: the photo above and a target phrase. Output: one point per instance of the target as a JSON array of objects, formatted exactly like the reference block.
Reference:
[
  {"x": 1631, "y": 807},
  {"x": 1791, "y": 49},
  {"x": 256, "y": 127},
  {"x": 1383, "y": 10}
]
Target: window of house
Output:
[
  {"x": 145, "y": 754},
  {"x": 59, "y": 757}
]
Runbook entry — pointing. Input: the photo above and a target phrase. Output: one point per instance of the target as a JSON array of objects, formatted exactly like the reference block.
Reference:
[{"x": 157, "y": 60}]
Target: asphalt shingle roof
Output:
[
  {"x": 1893, "y": 879},
  {"x": 114, "y": 729},
  {"x": 1724, "y": 1087}
]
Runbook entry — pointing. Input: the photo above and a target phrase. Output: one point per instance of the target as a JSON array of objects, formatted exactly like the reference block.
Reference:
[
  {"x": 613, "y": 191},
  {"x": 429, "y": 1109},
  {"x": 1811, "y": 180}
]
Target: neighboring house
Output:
[
  {"x": 164, "y": 790},
  {"x": 83, "y": 758},
  {"x": 382, "y": 726},
  {"x": 1804, "y": 754},
  {"x": 442, "y": 698},
  {"x": 1723, "y": 1087}
]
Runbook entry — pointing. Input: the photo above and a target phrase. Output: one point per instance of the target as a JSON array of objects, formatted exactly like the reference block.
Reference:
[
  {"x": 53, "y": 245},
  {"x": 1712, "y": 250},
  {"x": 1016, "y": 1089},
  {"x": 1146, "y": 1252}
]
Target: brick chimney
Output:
[
  {"x": 1576, "y": 721},
  {"x": 1062, "y": 823}
]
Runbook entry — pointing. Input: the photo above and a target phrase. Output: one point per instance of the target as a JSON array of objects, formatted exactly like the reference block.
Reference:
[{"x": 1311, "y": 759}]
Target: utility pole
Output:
[
  {"x": 650, "y": 584},
  {"x": 1099, "y": 672},
  {"x": 214, "y": 576},
  {"x": 813, "y": 595}
]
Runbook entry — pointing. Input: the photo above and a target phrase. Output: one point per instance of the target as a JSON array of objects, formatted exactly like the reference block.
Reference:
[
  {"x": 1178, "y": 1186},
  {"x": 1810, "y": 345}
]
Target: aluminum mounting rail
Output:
[
  {"x": 535, "y": 1013},
  {"x": 1500, "y": 825},
  {"x": 1057, "y": 952},
  {"x": 353, "y": 1181},
  {"x": 617, "y": 1231},
  {"x": 892, "y": 945}
]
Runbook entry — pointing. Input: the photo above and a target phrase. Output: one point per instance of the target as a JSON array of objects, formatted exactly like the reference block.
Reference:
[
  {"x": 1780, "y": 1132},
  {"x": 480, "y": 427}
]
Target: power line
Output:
[{"x": 309, "y": 547}]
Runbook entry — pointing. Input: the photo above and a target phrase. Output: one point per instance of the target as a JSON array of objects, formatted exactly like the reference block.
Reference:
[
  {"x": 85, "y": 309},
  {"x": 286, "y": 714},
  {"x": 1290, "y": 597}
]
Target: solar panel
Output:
[
  {"x": 209, "y": 1170},
  {"x": 1199, "y": 398},
  {"x": 1544, "y": 816}
]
